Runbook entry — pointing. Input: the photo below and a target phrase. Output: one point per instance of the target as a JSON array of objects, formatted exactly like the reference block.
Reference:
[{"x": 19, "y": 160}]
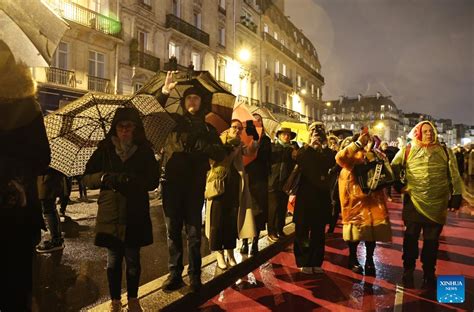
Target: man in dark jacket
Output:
[
  {"x": 282, "y": 160},
  {"x": 258, "y": 171},
  {"x": 24, "y": 155},
  {"x": 313, "y": 202},
  {"x": 186, "y": 162}
]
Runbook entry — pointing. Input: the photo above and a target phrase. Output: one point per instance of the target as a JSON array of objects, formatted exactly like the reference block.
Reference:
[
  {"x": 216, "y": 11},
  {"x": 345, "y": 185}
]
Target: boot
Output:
[
  {"x": 244, "y": 249},
  {"x": 220, "y": 259},
  {"x": 229, "y": 253},
  {"x": 408, "y": 279},
  {"x": 369, "y": 268},
  {"x": 115, "y": 306},
  {"x": 254, "y": 249},
  {"x": 134, "y": 305},
  {"x": 353, "y": 262}
]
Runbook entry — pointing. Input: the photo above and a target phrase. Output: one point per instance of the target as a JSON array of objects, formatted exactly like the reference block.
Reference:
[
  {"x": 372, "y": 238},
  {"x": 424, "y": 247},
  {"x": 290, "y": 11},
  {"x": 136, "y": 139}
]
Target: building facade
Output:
[{"x": 250, "y": 46}]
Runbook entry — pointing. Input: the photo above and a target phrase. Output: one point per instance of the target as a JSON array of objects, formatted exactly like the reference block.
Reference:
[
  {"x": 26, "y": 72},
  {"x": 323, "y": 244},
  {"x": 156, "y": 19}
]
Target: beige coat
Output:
[{"x": 245, "y": 216}]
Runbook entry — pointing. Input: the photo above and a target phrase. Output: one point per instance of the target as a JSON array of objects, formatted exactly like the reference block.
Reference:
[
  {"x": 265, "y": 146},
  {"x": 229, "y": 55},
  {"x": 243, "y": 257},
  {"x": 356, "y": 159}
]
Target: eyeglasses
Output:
[{"x": 239, "y": 128}]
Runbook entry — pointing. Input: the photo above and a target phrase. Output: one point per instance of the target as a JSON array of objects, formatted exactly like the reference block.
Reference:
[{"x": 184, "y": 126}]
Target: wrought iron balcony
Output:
[
  {"x": 86, "y": 17},
  {"x": 309, "y": 69},
  {"x": 226, "y": 85},
  {"x": 143, "y": 60},
  {"x": 282, "y": 110},
  {"x": 169, "y": 66},
  {"x": 284, "y": 79},
  {"x": 98, "y": 84},
  {"x": 61, "y": 76},
  {"x": 277, "y": 44},
  {"x": 247, "y": 22},
  {"x": 180, "y": 25},
  {"x": 243, "y": 99}
]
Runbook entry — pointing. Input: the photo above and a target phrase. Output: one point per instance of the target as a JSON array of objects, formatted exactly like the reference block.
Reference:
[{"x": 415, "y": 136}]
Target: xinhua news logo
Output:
[{"x": 451, "y": 289}]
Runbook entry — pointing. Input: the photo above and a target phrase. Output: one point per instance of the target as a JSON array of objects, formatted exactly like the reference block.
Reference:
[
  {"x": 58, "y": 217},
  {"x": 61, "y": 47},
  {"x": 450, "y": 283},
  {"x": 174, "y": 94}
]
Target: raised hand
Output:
[{"x": 169, "y": 83}]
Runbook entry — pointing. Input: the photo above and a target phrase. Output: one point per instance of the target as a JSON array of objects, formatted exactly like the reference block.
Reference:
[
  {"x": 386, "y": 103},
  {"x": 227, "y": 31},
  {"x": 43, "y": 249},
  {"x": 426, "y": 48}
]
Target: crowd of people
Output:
[{"x": 199, "y": 166}]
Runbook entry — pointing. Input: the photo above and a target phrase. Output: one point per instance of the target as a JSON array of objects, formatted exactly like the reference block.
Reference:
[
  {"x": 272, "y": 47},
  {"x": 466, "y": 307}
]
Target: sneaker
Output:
[
  {"x": 273, "y": 238},
  {"x": 134, "y": 305},
  {"x": 318, "y": 270},
  {"x": 50, "y": 246},
  {"x": 173, "y": 283},
  {"x": 306, "y": 270}
]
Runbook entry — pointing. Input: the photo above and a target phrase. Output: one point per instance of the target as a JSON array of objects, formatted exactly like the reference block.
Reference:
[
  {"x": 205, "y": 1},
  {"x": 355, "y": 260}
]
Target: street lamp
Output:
[
  {"x": 303, "y": 91},
  {"x": 328, "y": 104},
  {"x": 244, "y": 55}
]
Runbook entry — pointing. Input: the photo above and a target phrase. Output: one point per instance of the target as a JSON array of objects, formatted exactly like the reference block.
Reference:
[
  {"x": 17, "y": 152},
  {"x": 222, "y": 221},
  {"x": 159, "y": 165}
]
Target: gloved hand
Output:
[
  {"x": 251, "y": 130},
  {"x": 455, "y": 202},
  {"x": 114, "y": 180}
]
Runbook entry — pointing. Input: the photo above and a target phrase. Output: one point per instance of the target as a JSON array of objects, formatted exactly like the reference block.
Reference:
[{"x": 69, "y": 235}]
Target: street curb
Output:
[{"x": 153, "y": 298}]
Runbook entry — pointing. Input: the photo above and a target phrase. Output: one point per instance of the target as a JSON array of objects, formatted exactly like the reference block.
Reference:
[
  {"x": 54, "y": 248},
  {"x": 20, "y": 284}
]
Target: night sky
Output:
[{"x": 419, "y": 51}]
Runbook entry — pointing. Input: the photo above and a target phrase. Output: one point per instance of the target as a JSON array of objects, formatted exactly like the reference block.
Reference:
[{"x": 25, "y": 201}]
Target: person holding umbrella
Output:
[
  {"x": 124, "y": 169},
  {"x": 186, "y": 155}
]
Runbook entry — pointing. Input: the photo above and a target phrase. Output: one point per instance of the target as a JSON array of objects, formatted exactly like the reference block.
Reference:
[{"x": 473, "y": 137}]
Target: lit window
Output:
[{"x": 96, "y": 64}]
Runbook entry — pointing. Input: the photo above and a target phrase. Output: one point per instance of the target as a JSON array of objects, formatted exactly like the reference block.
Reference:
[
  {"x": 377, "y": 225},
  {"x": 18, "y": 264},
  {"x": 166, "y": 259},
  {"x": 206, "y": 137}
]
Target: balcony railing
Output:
[
  {"x": 86, "y": 17},
  {"x": 169, "y": 66},
  {"x": 255, "y": 102},
  {"x": 282, "y": 110},
  {"x": 277, "y": 44},
  {"x": 61, "y": 76},
  {"x": 186, "y": 28},
  {"x": 143, "y": 60},
  {"x": 243, "y": 99},
  {"x": 226, "y": 85},
  {"x": 284, "y": 79},
  {"x": 247, "y": 22},
  {"x": 98, "y": 84},
  {"x": 309, "y": 69}
]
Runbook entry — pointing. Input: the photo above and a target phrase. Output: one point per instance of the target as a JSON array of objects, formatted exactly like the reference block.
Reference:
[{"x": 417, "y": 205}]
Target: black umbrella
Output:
[
  {"x": 75, "y": 130},
  {"x": 218, "y": 102}
]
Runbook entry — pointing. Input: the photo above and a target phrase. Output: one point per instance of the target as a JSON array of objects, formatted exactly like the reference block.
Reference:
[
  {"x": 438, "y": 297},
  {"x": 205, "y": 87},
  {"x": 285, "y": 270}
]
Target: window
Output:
[
  {"x": 173, "y": 50},
  {"x": 265, "y": 28},
  {"x": 362, "y": 108},
  {"x": 267, "y": 93},
  {"x": 138, "y": 86},
  {"x": 196, "y": 59},
  {"x": 277, "y": 97},
  {"x": 298, "y": 54},
  {"x": 352, "y": 126},
  {"x": 197, "y": 20},
  {"x": 96, "y": 64},
  {"x": 277, "y": 67},
  {"x": 382, "y": 108},
  {"x": 283, "y": 41},
  {"x": 221, "y": 69},
  {"x": 176, "y": 7},
  {"x": 142, "y": 41},
  {"x": 298, "y": 80},
  {"x": 60, "y": 56},
  {"x": 275, "y": 35},
  {"x": 222, "y": 36},
  {"x": 266, "y": 62},
  {"x": 382, "y": 116},
  {"x": 283, "y": 69}
]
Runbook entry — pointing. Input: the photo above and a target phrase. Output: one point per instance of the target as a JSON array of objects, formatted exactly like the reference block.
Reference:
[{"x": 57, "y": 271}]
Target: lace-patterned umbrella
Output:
[{"x": 75, "y": 130}]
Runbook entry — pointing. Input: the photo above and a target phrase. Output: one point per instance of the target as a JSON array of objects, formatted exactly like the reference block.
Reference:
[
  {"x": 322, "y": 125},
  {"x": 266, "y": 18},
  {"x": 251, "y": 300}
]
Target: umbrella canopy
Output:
[
  {"x": 31, "y": 30},
  {"x": 301, "y": 129},
  {"x": 270, "y": 122},
  {"x": 242, "y": 113},
  {"x": 75, "y": 130},
  {"x": 342, "y": 132},
  {"x": 218, "y": 102}
]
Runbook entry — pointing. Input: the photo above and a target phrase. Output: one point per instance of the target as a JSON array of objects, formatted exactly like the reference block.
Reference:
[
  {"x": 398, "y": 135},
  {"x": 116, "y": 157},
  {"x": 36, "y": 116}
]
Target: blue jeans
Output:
[{"x": 114, "y": 271}]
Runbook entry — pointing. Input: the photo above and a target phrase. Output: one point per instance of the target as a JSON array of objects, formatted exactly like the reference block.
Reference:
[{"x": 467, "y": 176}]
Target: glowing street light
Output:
[
  {"x": 328, "y": 104},
  {"x": 244, "y": 55},
  {"x": 380, "y": 126},
  {"x": 303, "y": 91}
]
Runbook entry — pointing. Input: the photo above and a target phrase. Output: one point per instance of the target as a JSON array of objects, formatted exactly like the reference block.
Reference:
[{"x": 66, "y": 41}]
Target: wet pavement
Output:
[
  {"x": 278, "y": 285},
  {"x": 75, "y": 279}
]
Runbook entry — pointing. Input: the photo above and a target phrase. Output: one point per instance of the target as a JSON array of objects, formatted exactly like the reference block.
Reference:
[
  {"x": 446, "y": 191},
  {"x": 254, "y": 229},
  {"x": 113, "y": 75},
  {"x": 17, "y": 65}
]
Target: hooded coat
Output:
[
  {"x": 364, "y": 216},
  {"x": 245, "y": 215},
  {"x": 431, "y": 175},
  {"x": 123, "y": 216}
]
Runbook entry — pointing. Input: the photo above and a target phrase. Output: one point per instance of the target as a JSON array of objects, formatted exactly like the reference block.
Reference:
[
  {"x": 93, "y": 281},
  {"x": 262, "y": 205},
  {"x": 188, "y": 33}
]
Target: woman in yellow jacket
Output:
[{"x": 364, "y": 216}]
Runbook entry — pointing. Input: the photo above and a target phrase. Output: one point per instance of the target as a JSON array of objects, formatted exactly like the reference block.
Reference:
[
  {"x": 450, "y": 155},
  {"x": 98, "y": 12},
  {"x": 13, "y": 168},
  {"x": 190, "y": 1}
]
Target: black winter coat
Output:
[
  {"x": 313, "y": 199},
  {"x": 124, "y": 214},
  {"x": 282, "y": 165},
  {"x": 259, "y": 169}
]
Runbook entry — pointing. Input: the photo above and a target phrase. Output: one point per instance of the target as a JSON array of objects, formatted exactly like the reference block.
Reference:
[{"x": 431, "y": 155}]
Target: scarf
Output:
[{"x": 123, "y": 149}]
